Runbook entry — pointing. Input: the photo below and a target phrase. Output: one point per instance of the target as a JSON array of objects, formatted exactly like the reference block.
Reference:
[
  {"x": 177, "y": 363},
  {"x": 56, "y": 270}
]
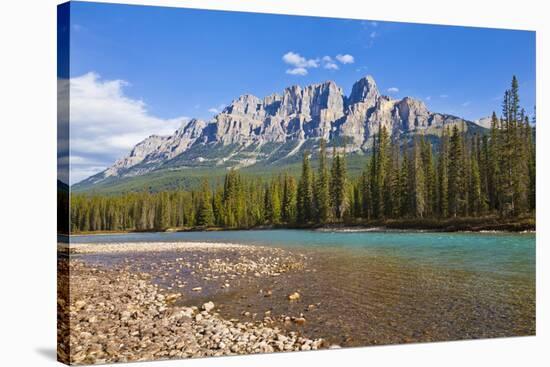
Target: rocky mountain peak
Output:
[
  {"x": 413, "y": 113},
  {"x": 364, "y": 90},
  {"x": 244, "y": 105}
]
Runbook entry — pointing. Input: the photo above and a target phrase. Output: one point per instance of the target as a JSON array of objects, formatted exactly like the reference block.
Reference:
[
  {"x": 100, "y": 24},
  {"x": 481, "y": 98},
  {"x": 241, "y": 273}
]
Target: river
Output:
[{"x": 369, "y": 287}]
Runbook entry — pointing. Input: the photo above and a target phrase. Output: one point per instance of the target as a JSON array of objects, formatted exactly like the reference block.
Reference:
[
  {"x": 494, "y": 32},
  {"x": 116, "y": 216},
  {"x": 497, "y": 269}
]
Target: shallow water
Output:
[
  {"x": 372, "y": 287},
  {"x": 503, "y": 253}
]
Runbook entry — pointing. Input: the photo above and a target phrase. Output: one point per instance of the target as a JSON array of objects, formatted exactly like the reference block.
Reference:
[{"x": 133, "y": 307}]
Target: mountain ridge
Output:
[{"x": 251, "y": 131}]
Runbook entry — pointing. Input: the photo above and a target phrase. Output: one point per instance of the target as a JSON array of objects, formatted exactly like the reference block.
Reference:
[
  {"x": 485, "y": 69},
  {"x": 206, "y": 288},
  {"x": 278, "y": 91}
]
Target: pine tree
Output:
[
  {"x": 405, "y": 187},
  {"x": 305, "y": 192},
  {"x": 322, "y": 192},
  {"x": 366, "y": 191},
  {"x": 510, "y": 154},
  {"x": 272, "y": 203},
  {"x": 531, "y": 165},
  {"x": 493, "y": 174},
  {"x": 357, "y": 205},
  {"x": 419, "y": 185},
  {"x": 393, "y": 194},
  {"x": 443, "y": 181},
  {"x": 288, "y": 209},
  {"x": 162, "y": 215},
  {"x": 477, "y": 206},
  {"x": 457, "y": 183},
  {"x": 484, "y": 162},
  {"x": 429, "y": 177},
  {"x": 206, "y": 212},
  {"x": 338, "y": 183}
]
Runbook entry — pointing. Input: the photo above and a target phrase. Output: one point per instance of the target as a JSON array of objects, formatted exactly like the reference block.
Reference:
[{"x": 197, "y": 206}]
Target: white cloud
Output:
[
  {"x": 297, "y": 71},
  {"x": 345, "y": 59},
  {"x": 301, "y": 65},
  {"x": 393, "y": 90},
  {"x": 329, "y": 64},
  {"x": 105, "y": 123},
  {"x": 299, "y": 61}
]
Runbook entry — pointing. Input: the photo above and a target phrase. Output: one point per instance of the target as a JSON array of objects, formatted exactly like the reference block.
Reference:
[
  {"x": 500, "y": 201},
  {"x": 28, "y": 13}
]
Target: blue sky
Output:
[{"x": 172, "y": 62}]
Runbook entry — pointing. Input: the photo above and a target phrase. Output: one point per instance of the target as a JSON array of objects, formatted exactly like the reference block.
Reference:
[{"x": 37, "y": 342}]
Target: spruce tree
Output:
[
  {"x": 405, "y": 186},
  {"x": 322, "y": 192},
  {"x": 429, "y": 177},
  {"x": 457, "y": 183},
  {"x": 419, "y": 185},
  {"x": 366, "y": 191},
  {"x": 443, "y": 181},
  {"x": 305, "y": 192},
  {"x": 205, "y": 213},
  {"x": 477, "y": 206},
  {"x": 493, "y": 164},
  {"x": 288, "y": 209},
  {"x": 338, "y": 183}
]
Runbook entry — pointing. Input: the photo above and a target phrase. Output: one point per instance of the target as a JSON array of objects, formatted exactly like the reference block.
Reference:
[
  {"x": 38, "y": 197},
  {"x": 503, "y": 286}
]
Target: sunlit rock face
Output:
[{"x": 299, "y": 114}]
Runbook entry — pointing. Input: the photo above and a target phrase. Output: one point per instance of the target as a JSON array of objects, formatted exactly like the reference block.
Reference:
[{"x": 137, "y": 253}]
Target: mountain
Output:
[
  {"x": 484, "y": 122},
  {"x": 253, "y": 132}
]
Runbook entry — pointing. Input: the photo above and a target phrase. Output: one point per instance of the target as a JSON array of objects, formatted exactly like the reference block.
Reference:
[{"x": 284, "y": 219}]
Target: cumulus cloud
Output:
[
  {"x": 105, "y": 123},
  {"x": 393, "y": 90},
  {"x": 329, "y": 64},
  {"x": 299, "y": 63},
  {"x": 345, "y": 59}
]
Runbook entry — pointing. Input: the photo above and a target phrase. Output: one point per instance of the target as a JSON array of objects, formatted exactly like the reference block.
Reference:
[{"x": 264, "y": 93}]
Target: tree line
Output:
[{"x": 466, "y": 175}]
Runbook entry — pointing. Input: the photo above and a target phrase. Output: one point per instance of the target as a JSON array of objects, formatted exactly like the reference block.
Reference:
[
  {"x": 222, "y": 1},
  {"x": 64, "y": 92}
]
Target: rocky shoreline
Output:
[
  {"x": 127, "y": 247},
  {"x": 116, "y": 314}
]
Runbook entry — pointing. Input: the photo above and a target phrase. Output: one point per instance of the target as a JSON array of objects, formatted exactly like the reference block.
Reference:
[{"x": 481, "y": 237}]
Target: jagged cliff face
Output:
[{"x": 237, "y": 135}]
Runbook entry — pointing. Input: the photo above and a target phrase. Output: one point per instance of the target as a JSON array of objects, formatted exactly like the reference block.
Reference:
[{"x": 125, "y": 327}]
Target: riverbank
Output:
[
  {"x": 118, "y": 314},
  {"x": 492, "y": 223},
  {"x": 348, "y": 290}
]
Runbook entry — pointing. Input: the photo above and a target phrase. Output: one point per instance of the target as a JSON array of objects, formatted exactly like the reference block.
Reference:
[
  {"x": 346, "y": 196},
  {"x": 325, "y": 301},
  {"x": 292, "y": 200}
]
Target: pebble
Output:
[
  {"x": 208, "y": 306},
  {"x": 294, "y": 296}
]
